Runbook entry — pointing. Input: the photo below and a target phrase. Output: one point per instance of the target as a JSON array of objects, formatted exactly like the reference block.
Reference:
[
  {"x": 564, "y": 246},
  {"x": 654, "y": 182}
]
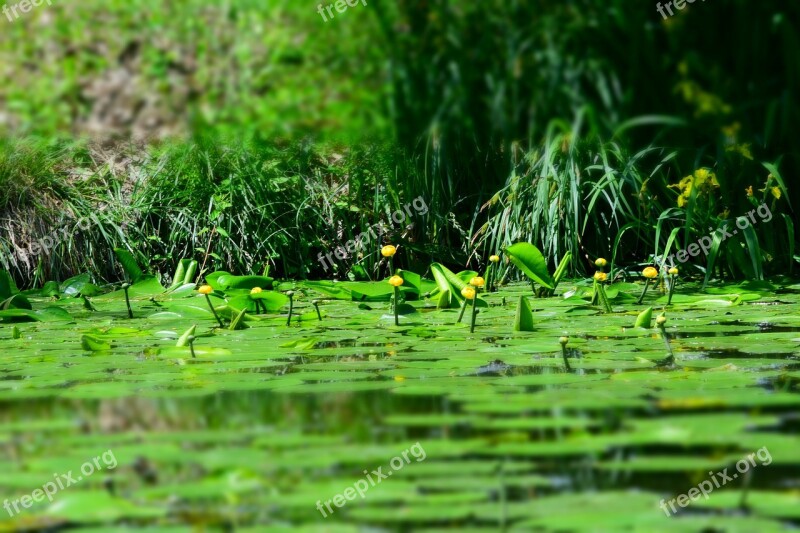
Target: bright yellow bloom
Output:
[
  {"x": 661, "y": 320},
  {"x": 600, "y": 276},
  {"x": 749, "y": 191},
  {"x": 468, "y": 292},
  {"x": 701, "y": 174},
  {"x": 776, "y": 192},
  {"x": 600, "y": 262},
  {"x": 477, "y": 281},
  {"x": 673, "y": 271},
  {"x": 388, "y": 250},
  {"x": 395, "y": 281},
  {"x": 255, "y": 290},
  {"x": 650, "y": 273},
  {"x": 494, "y": 258},
  {"x": 205, "y": 289}
]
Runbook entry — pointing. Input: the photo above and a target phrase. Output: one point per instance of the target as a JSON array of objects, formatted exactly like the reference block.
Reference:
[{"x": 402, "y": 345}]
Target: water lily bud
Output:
[
  {"x": 494, "y": 258},
  {"x": 290, "y": 293},
  {"x": 395, "y": 281},
  {"x": 126, "y": 286},
  {"x": 388, "y": 251},
  {"x": 600, "y": 262},
  {"x": 477, "y": 281},
  {"x": 660, "y": 321},
  {"x": 468, "y": 292},
  {"x": 673, "y": 271},
  {"x": 205, "y": 289},
  {"x": 563, "y": 341},
  {"x": 255, "y": 290},
  {"x": 600, "y": 276},
  {"x": 650, "y": 273}
]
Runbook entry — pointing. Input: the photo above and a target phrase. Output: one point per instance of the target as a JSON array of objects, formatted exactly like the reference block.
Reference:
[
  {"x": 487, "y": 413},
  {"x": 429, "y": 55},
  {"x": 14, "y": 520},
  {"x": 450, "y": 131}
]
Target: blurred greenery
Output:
[{"x": 568, "y": 123}]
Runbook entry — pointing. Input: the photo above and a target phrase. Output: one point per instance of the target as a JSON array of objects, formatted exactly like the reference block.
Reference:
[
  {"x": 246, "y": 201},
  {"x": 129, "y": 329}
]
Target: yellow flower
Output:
[
  {"x": 388, "y": 250},
  {"x": 395, "y": 281},
  {"x": 600, "y": 262},
  {"x": 650, "y": 273},
  {"x": 661, "y": 320},
  {"x": 749, "y": 191},
  {"x": 468, "y": 292},
  {"x": 682, "y": 201},
  {"x": 563, "y": 340},
  {"x": 673, "y": 271},
  {"x": 255, "y": 290},
  {"x": 701, "y": 174},
  {"x": 776, "y": 192},
  {"x": 494, "y": 258},
  {"x": 600, "y": 276},
  {"x": 477, "y": 281},
  {"x": 205, "y": 289}
]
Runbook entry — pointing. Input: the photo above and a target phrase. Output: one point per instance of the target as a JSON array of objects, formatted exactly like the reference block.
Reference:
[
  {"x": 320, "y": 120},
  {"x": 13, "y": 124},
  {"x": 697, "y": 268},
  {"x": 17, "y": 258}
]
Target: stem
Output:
[
  {"x": 490, "y": 275},
  {"x": 396, "y": 296},
  {"x": 474, "y": 313},
  {"x": 391, "y": 266},
  {"x": 601, "y": 291},
  {"x": 566, "y": 360},
  {"x": 646, "y": 285},
  {"x": 671, "y": 289},
  {"x": 191, "y": 346},
  {"x": 533, "y": 288},
  {"x": 128, "y": 300},
  {"x": 316, "y": 306},
  {"x": 461, "y": 314},
  {"x": 664, "y": 336},
  {"x": 291, "y": 308},
  {"x": 208, "y": 299}
]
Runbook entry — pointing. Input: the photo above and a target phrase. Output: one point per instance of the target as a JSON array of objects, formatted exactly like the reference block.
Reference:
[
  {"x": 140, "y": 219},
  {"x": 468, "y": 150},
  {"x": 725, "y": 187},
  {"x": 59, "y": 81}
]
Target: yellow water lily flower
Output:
[
  {"x": 477, "y": 281},
  {"x": 388, "y": 250},
  {"x": 749, "y": 191},
  {"x": 600, "y": 276},
  {"x": 673, "y": 271},
  {"x": 205, "y": 289},
  {"x": 600, "y": 262},
  {"x": 494, "y": 258},
  {"x": 650, "y": 273},
  {"x": 468, "y": 292},
  {"x": 395, "y": 281},
  {"x": 256, "y": 290}
]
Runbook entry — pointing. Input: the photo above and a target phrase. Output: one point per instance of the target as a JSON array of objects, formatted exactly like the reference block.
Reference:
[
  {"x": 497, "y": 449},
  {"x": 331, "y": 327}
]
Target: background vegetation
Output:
[{"x": 255, "y": 135}]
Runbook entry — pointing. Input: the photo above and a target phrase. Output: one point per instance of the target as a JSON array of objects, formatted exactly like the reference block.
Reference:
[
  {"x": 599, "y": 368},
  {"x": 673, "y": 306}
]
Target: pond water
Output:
[{"x": 265, "y": 425}]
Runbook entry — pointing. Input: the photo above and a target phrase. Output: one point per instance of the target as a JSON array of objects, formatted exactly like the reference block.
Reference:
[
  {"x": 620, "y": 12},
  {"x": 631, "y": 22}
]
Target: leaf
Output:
[
  {"x": 645, "y": 319},
  {"x": 94, "y": 344},
  {"x": 184, "y": 273},
  {"x": 129, "y": 264},
  {"x": 238, "y": 322},
  {"x": 221, "y": 281},
  {"x": 184, "y": 340},
  {"x": 530, "y": 260},
  {"x": 446, "y": 280},
  {"x": 523, "y": 321}
]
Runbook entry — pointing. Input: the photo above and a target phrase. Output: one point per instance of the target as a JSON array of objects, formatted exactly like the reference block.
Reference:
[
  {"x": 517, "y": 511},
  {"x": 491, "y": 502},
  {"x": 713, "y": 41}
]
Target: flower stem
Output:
[
  {"x": 316, "y": 306},
  {"x": 291, "y": 307},
  {"x": 396, "y": 296},
  {"x": 461, "y": 314},
  {"x": 127, "y": 300},
  {"x": 644, "y": 291},
  {"x": 474, "y": 315},
  {"x": 208, "y": 299},
  {"x": 673, "y": 281}
]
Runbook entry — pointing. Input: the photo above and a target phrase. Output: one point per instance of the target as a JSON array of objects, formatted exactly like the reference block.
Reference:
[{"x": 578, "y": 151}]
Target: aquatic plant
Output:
[
  {"x": 206, "y": 290},
  {"x": 649, "y": 274},
  {"x": 396, "y": 281}
]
